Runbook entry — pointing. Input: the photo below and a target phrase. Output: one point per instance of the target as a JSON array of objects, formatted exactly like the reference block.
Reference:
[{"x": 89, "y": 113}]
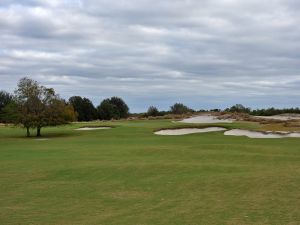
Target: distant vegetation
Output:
[
  {"x": 238, "y": 108},
  {"x": 179, "y": 108},
  {"x": 272, "y": 111},
  {"x": 5, "y": 99},
  {"x": 112, "y": 108},
  {"x": 153, "y": 111},
  {"x": 84, "y": 108},
  {"x": 35, "y": 106}
]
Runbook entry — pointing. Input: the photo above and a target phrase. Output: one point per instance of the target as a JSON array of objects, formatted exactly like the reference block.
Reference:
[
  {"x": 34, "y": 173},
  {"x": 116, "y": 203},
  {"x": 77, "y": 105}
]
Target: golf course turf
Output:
[{"x": 127, "y": 175}]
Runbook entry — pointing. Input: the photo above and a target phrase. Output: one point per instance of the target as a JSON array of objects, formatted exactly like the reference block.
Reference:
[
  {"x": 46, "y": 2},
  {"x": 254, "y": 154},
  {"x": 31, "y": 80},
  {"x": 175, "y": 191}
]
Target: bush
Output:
[
  {"x": 238, "y": 108},
  {"x": 152, "y": 111},
  {"x": 179, "y": 108}
]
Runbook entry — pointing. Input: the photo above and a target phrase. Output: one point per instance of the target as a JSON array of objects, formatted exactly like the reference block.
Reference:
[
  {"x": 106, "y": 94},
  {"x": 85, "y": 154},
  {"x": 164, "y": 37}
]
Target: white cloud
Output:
[{"x": 228, "y": 51}]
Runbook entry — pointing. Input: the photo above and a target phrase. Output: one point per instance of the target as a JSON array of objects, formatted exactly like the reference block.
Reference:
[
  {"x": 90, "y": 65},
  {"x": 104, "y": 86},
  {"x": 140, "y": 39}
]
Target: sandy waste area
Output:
[
  {"x": 205, "y": 119},
  {"x": 282, "y": 117},
  {"x": 184, "y": 131},
  {"x": 257, "y": 134}
]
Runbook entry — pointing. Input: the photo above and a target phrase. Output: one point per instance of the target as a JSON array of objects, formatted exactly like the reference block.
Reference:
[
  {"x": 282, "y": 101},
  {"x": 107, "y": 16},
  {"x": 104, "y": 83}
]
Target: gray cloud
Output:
[{"x": 204, "y": 53}]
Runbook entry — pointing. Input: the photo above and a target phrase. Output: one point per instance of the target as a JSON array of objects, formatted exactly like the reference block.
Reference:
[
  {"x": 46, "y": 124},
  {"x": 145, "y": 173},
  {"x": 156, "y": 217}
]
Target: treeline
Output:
[
  {"x": 110, "y": 108},
  {"x": 179, "y": 108},
  {"x": 272, "y": 111},
  {"x": 34, "y": 106},
  {"x": 239, "y": 108}
]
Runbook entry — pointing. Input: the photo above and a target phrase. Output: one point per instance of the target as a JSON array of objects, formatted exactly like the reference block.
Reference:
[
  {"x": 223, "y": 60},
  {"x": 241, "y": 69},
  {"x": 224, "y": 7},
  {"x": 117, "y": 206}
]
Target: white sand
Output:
[
  {"x": 205, "y": 119},
  {"x": 93, "y": 128},
  {"x": 184, "y": 131},
  {"x": 257, "y": 134}
]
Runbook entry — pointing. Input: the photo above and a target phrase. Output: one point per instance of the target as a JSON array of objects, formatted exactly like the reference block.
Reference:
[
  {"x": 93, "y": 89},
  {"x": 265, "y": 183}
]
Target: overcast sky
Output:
[{"x": 203, "y": 53}]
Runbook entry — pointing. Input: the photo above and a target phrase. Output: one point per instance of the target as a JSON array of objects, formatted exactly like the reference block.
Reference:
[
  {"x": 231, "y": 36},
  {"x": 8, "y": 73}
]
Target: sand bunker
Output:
[
  {"x": 234, "y": 132},
  {"x": 93, "y": 128},
  {"x": 184, "y": 131},
  {"x": 257, "y": 134},
  {"x": 205, "y": 119}
]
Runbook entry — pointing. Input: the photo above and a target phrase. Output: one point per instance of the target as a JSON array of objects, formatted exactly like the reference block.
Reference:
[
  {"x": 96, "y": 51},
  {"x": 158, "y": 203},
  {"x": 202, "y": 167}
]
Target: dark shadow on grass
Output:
[
  {"x": 98, "y": 126},
  {"x": 46, "y": 135}
]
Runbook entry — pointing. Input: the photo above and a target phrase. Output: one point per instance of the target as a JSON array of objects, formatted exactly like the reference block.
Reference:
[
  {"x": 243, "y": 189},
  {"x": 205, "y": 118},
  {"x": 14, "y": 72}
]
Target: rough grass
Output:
[{"x": 128, "y": 175}]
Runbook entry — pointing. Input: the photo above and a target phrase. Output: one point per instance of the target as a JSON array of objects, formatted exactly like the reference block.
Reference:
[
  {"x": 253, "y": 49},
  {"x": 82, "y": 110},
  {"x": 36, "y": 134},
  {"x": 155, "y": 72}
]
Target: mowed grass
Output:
[{"x": 129, "y": 176}]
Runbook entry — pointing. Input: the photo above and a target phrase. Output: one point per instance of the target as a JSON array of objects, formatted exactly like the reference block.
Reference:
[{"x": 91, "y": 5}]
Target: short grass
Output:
[{"x": 129, "y": 176}]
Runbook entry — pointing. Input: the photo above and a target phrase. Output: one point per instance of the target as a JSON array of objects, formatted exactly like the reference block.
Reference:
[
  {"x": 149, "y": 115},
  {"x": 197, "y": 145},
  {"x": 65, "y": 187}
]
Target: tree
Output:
[
  {"x": 121, "y": 106},
  {"x": 112, "y": 108},
  {"x": 107, "y": 111},
  {"x": 5, "y": 99},
  {"x": 152, "y": 111},
  {"x": 36, "y": 106},
  {"x": 179, "y": 108},
  {"x": 84, "y": 107},
  {"x": 59, "y": 112},
  {"x": 239, "y": 108},
  {"x": 27, "y": 108},
  {"x": 10, "y": 114}
]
